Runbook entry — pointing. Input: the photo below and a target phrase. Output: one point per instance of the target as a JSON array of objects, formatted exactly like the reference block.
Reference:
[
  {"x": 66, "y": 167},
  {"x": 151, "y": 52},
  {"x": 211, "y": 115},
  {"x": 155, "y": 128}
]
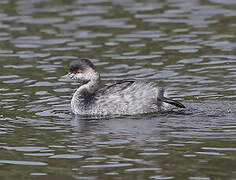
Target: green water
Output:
[{"x": 187, "y": 46}]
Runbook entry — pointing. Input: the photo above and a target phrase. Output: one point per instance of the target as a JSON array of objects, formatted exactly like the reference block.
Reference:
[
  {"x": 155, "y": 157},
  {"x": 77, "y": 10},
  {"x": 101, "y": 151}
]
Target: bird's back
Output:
[{"x": 125, "y": 97}]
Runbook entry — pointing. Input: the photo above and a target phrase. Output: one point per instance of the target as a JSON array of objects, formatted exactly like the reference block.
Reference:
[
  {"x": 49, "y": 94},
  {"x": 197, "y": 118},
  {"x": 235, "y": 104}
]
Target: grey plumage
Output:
[{"x": 125, "y": 97}]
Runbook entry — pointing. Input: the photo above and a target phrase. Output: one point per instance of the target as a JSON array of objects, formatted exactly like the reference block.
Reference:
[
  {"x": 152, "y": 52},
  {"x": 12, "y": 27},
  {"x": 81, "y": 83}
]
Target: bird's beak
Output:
[{"x": 66, "y": 77}]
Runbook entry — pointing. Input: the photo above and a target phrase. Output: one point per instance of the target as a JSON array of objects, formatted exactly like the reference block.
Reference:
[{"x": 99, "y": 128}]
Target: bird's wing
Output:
[{"x": 118, "y": 86}]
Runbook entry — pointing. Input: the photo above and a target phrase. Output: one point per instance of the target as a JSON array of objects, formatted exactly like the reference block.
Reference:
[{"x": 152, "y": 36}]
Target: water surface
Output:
[{"x": 187, "y": 46}]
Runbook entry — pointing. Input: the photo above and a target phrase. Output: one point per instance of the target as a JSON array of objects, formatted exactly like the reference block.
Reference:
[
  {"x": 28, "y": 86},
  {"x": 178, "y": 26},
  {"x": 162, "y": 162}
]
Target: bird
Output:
[{"x": 124, "y": 97}]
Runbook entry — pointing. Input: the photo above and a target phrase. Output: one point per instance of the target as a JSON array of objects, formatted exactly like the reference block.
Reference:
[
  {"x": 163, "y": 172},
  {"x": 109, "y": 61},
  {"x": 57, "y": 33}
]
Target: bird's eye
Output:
[{"x": 79, "y": 70}]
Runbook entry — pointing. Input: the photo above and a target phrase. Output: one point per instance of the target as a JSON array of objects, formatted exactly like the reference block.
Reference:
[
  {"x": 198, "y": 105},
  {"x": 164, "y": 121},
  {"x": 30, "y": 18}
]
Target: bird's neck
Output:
[{"x": 89, "y": 88}]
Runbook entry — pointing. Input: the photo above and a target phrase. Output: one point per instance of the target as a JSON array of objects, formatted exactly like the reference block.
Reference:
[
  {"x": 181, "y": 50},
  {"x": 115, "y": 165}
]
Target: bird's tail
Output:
[
  {"x": 162, "y": 98},
  {"x": 173, "y": 102}
]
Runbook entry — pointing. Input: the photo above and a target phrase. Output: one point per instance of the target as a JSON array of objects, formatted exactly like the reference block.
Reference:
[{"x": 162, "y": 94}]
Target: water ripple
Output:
[{"x": 185, "y": 46}]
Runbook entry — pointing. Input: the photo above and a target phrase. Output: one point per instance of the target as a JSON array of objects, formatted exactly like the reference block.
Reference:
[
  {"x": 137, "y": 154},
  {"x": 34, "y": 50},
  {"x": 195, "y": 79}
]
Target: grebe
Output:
[{"x": 125, "y": 97}]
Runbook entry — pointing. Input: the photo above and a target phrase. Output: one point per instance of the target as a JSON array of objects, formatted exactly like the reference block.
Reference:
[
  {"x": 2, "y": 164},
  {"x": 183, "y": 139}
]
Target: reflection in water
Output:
[
  {"x": 187, "y": 46},
  {"x": 154, "y": 139}
]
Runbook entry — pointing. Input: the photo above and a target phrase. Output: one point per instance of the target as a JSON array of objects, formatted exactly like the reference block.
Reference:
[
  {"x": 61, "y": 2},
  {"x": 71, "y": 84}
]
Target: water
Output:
[{"x": 187, "y": 46}]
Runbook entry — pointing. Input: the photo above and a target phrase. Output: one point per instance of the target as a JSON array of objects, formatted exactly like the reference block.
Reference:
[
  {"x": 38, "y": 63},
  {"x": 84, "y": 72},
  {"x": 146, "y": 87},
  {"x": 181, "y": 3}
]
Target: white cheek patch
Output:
[{"x": 71, "y": 76}]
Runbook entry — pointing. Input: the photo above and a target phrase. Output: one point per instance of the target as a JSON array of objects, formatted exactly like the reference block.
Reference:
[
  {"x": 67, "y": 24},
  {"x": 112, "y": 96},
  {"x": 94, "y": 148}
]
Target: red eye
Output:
[{"x": 79, "y": 70}]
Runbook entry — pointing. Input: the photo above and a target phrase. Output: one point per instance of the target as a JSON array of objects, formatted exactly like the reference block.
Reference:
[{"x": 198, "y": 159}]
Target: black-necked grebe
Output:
[{"x": 125, "y": 97}]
